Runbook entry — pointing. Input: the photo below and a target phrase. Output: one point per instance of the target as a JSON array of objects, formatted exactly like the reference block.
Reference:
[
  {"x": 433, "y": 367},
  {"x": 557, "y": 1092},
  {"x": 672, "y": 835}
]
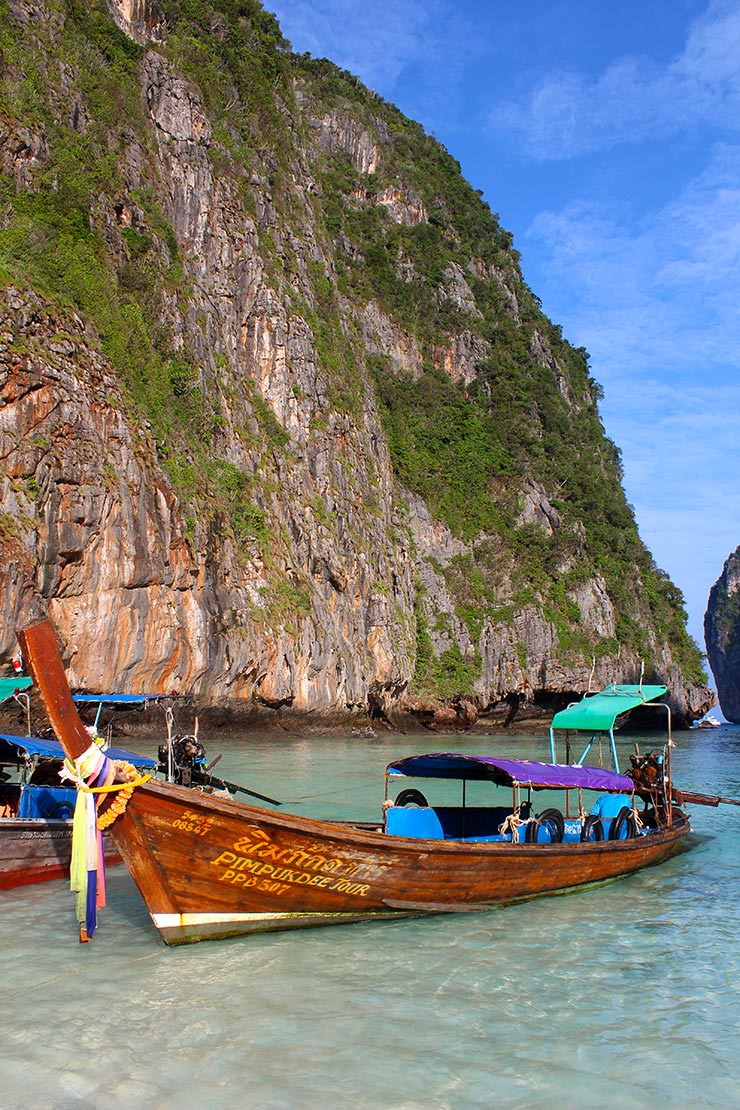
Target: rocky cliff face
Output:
[
  {"x": 219, "y": 388},
  {"x": 722, "y": 634}
]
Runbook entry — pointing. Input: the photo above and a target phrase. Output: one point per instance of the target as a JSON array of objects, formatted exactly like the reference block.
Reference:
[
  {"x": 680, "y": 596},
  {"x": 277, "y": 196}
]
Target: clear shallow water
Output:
[{"x": 625, "y": 995}]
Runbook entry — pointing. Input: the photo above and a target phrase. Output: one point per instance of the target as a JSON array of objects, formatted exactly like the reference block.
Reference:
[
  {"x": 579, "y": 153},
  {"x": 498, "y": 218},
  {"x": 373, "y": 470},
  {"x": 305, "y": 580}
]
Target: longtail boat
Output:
[
  {"x": 209, "y": 867},
  {"x": 37, "y": 807},
  {"x": 36, "y": 810}
]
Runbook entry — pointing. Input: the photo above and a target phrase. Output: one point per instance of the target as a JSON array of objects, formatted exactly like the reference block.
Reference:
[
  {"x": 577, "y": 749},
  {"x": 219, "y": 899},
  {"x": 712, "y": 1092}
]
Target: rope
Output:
[
  {"x": 125, "y": 790},
  {"x": 170, "y": 719},
  {"x": 119, "y": 765},
  {"x": 511, "y": 824},
  {"x": 72, "y": 771}
]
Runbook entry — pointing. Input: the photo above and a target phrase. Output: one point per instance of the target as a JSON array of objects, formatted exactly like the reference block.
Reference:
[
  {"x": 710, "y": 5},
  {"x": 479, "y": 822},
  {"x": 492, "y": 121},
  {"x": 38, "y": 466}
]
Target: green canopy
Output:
[
  {"x": 8, "y": 686},
  {"x": 598, "y": 712}
]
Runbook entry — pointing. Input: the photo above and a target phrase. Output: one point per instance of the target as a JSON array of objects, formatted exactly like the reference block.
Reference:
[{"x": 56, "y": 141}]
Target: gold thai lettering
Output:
[
  {"x": 245, "y": 842},
  {"x": 257, "y": 860},
  {"x": 308, "y": 860}
]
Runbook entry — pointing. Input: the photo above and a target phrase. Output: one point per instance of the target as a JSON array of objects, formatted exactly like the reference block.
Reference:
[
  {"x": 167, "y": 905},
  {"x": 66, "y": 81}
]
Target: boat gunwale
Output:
[{"x": 343, "y": 829}]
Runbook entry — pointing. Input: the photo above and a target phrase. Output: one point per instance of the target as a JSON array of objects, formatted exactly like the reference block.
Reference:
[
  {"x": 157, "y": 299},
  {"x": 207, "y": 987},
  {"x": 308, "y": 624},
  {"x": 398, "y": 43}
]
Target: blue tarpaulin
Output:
[
  {"x": 510, "y": 772},
  {"x": 121, "y": 701},
  {"x": 14, "y": 748}
]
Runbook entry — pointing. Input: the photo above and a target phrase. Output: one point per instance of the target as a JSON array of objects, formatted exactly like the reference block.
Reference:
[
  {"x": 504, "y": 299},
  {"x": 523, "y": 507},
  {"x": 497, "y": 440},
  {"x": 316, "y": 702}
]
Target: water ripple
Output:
[{"x": 624, "y": 995}]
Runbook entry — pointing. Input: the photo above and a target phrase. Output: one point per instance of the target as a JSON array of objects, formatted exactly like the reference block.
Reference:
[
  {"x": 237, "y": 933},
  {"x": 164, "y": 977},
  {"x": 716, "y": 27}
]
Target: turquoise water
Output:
[{"x": 624, "y": 995}]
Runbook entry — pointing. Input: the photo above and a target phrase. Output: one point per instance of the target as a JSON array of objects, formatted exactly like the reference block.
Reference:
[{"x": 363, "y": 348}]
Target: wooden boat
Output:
[
  {"x": 36, "y": 810},
  {"x": 36, "y": 807},
  {"x": 209, "y": 867}
]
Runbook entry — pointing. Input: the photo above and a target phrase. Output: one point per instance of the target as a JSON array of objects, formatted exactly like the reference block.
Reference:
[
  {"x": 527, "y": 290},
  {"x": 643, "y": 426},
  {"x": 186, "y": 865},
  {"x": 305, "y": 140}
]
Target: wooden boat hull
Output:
[
  {"x": 211, "y": 868},
  {"x": 33, "y": 850}
]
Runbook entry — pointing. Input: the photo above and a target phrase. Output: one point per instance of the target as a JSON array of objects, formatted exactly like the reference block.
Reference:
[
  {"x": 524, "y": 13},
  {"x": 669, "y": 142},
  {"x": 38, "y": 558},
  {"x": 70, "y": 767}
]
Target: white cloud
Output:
[
  {"x": 657, "y": 303},
  {"x": 349, "y": 32},
  {"x": 572, "y": 113},
  {"x": 661, "y": 291}
]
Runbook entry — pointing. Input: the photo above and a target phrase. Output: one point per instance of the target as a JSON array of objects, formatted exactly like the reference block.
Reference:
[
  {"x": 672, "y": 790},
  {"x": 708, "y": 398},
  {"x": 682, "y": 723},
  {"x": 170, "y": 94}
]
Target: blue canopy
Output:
[
  {"x": 15, "y": 748},
  {"x": 511, "y": 772},
  {"x": 121, "y": 701}
]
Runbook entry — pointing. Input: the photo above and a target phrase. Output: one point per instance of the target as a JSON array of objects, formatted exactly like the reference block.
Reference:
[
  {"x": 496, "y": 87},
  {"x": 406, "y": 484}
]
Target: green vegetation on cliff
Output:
[{"x": 442, "y": 272}]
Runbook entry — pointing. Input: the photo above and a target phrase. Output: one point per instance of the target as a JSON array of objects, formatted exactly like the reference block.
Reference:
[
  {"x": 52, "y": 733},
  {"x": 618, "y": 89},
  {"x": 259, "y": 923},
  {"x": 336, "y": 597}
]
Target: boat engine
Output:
[
  {"x": 647, "y": 771},
  {"x": 188, "y": 759}
]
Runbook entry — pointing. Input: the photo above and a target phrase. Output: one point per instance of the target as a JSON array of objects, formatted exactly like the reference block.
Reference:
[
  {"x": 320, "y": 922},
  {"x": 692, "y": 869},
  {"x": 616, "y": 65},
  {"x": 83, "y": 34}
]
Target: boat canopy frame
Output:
[
  {"x": 17, "y": 688},
  {"x": 597, "y": 713},
  {"x": 517, "y": 774},
  {"x": 25, "y": 749},
  {"x": 15, "y": 684},
  {"x": 124, "y": 703}
]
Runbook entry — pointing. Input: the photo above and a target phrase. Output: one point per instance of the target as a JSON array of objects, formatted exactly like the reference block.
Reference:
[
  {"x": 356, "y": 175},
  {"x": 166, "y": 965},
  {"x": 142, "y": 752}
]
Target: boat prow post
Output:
[{"x": 43, "y": 659}]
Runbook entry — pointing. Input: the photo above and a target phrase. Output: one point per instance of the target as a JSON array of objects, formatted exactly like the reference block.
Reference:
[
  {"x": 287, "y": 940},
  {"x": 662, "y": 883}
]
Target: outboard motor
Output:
[
  {"x": 648, "y": 772},
  {"x": 188, "y": 760}
]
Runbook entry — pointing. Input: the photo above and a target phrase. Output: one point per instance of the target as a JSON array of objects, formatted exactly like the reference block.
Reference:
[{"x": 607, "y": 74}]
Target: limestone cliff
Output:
[
  {"x": 722, "y": 634},
  {"x": 281, "y": 423}
]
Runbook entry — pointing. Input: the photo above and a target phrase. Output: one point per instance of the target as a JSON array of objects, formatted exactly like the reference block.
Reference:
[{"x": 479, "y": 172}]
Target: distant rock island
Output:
[{"x": 722, "y": 634}]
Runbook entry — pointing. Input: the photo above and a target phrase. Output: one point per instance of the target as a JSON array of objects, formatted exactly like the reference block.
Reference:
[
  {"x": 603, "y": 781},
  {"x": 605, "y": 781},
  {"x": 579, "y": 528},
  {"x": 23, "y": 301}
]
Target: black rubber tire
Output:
[
  {"x": 411, "y": 798},
  {"x": 592, "y": 824},
  {"x": 553, "y": 817},
  {"x": 624, "y": 817}
]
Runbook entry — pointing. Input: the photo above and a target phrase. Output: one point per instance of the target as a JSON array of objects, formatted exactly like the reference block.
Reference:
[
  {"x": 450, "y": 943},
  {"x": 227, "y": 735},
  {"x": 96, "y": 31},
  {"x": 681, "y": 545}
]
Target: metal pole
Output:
[
  {"x": 170, "y": 717},
  {"x": 614, "y": 750}
]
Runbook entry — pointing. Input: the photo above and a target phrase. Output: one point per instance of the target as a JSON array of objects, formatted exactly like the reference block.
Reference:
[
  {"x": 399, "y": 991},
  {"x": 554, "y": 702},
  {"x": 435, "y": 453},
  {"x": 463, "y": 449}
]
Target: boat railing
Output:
[{"x": 490, "y": 825}]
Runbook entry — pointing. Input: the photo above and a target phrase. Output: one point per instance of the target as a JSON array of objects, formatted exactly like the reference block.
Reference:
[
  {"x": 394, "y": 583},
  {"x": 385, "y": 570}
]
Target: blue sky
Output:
[{"x": 607, "y": 138}]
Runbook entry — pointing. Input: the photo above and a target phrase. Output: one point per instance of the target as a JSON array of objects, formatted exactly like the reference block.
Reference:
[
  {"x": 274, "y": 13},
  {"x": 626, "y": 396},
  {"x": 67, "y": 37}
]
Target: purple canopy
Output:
[{"x": 511, "y": 772}]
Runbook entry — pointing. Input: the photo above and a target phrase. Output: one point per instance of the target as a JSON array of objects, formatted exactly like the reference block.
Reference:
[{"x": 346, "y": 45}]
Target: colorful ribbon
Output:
[
  {"x": 93, "y": 775},
  {"x": 87, "y": 871}
]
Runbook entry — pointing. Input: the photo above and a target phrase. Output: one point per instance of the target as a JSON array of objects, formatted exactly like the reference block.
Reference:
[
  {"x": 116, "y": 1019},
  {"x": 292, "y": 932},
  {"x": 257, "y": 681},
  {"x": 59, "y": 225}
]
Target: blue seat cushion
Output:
[
  {"x": 413, "y": 821},
  {"x": 49, "y": 802},
  {"x": 473, "y": 825}
]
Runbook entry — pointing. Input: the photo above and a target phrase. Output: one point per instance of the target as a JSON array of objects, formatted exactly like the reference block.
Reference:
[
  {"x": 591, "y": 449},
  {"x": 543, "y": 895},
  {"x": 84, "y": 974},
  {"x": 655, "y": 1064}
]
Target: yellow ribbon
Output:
[
  {"x": 124, "y": 790},
  {"x": 114, "y": 785}
]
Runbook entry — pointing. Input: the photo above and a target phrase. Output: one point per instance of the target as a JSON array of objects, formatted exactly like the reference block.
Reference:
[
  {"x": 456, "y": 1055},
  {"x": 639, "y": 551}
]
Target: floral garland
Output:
[{"x": 125, "y": 790}]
